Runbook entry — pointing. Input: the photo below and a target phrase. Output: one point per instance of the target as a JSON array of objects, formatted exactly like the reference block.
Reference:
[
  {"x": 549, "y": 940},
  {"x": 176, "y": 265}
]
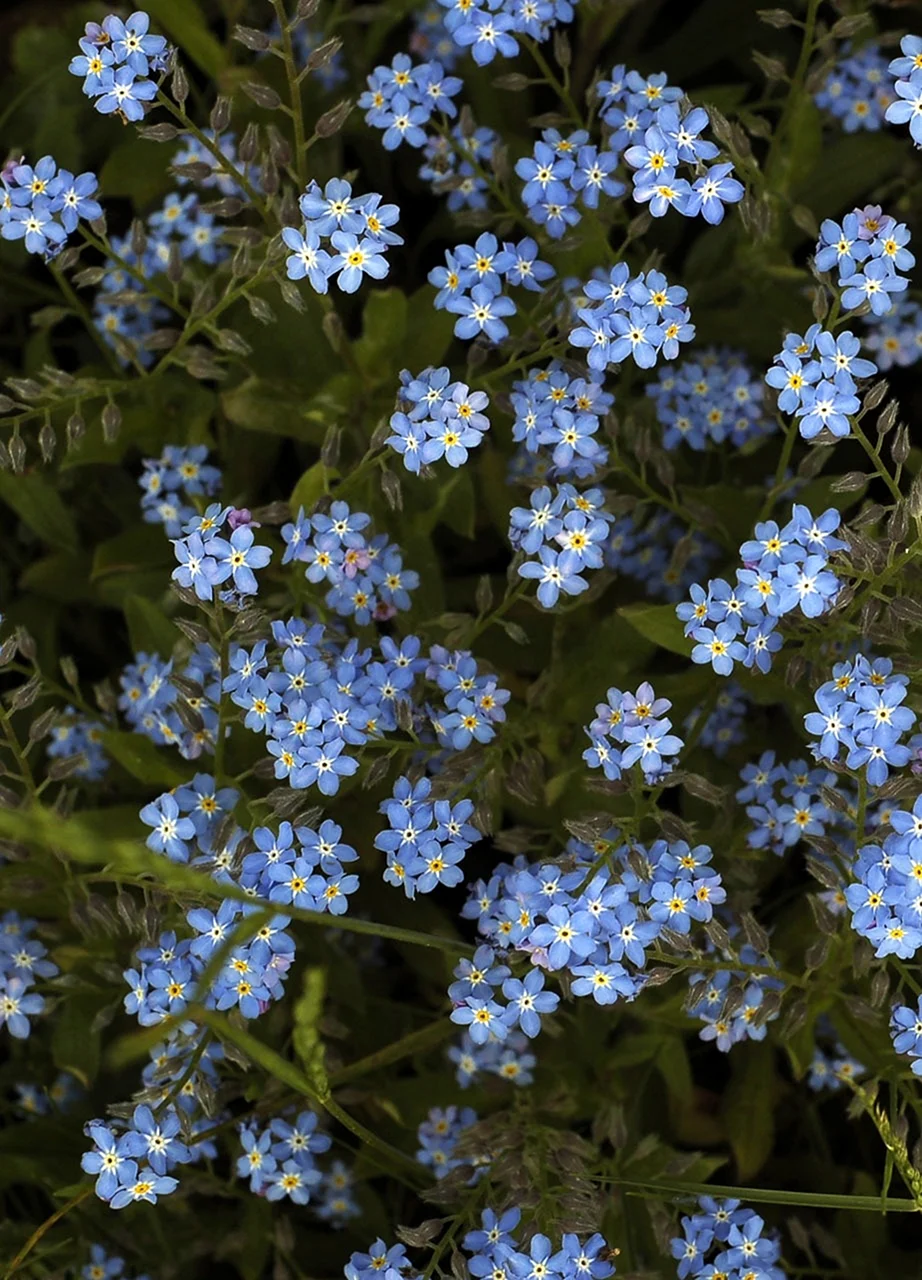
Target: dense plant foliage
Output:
[{"x": 461, "y": 804}]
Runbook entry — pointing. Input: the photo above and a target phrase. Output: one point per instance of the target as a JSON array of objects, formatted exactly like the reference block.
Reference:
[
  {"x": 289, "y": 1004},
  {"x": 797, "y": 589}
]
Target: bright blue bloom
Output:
[
  {"x": 481, "y": 313},
  {"x": 875, "y": 283},
  {"x": 356, "y": 258},
  {"x": 528, "y": 1001}
]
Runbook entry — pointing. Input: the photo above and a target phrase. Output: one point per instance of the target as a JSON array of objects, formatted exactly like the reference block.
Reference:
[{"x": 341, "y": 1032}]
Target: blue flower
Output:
[
  {"x": 307, "y": 257},
  {"x": 556, "y": 572},
  {"x": 720, "y": 647},
  {"x": 875, "y": 283},
  {"x": 908, "y": 108},
  {"x": 237, "y": 557},
  {"x": 125, "y": 93},
  {"x": 487, "y": 34},
  {"x": 710, "y": 193},
  {"x": 528, "y": 1001},
  {"x": 171, "y": 830},
  {"x": 828, "y": 405},
  {"x": 256, "y": 1163},
  {"x": 106, "y": 1159},
  {"x": 356, "y": 258},
  {"x": 17, "y": 1005},
  {"x": 481, "y": 313}
]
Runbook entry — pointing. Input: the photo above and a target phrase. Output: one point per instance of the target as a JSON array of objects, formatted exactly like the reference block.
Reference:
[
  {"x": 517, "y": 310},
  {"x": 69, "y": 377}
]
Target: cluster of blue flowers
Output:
[
  {"x": 646, "y": 124},
  {"x": 832, "y": 1066},
  {"x": 561, "y": 170},
  {"x": 895, "y": 339},
  {"x": 885, "y": 898},
  {"x": 42, "y": 205},
  {"x": 366, "y": 574},
  {"x": 593, "y": 916},
  {"x": 115, "y": 61},
  {"x": 38, "y": 1100},
  {"x": 856, "y": 91},
  {"x": 357, "y": 228},
  {"x": 784, "y": 804},
  {"x": 712, "y": 396},
  {"x": 563, "y": 413},
  {"x": 425, "y": 840},
  {"x": 179, "y": 232},
  {"x": 907, "y": 72},
  {"x": 509, "y": 1059},
  {"x": 643, "y": 550},
  {"x": 476, "y": 990},
  {"x": 131, "y": 1163},
  {"x": 152, "y": 704},
  {"x": 868, "y": 249},
  {"x": 180, "y": 472},
  {"x": 567, "y": 531},
  {"x": 906, "y": 1033},
  {"x": 470, "y": 283},
  {"x": 438, "y": 1136},
  {"x": 402, "y": 98},
  {"x": 489, "y": 27},
  {"x": 641, "y": 317},
  {"x": 730, "y": 1235},
  {"x": 725, "y": 725},
  {"x": 815, "y": 378},
  {"x": 784, "y": 569},
  {"x": 167, "y": 979},
  {"x": 133, "y": 1155},
  {"x": 495, "y": 1251},
  {"x": 436, "y": 418},
  {"x": 731, "y": 1002},
  {"x": 861, "y": 709},
  {"x": 207, "y": 561},
  {"x": 78, "y": 738},
  {"x": 23, "y": 961},
  {"x": 279, "y": 1159},
  {"x": 638, "y": 722},
  {"x": 459, "y": 164}
]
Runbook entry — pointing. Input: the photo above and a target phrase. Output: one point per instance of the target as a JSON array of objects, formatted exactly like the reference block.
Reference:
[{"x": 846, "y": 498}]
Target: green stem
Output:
[
  {"x": 557, "y": 85},
  {"x": 416, "y": 1042},
  {"x": 83, "y": 314},
  {"x": 149, "y": 286},
  {"x": 762, "y": 1195},
  {"x": 215, "y": 151},
  {"x": 877, "y": 461},
  {"x": 46, "y": 1226},
  {"x": 783, "y": 463},
  {"x": 294, "y": 92}
]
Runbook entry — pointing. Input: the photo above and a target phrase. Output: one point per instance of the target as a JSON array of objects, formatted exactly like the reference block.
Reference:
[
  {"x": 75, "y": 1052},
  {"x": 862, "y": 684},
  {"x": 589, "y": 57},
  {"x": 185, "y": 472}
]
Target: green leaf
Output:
[
  {"x": 748, "y": 1109},
  {"x": 428, "y": 332},
  {"x": 148, "y": 627},
  {"x": 38, "y": 504},
  {"x": 142, "y": 759},
  {"x": 658, "y": 622},
  {"x": 138, "y": 557},
  {"x": 63, "y": 576},
  {"x": 128, "y": 172},
  {"x": 313, "y": 484},
  {"x": 276, "y": 409},
  {"x": 184, "y": 22},
  {"x": 847, "y": 168},
  {"x": 308, "y": 1045},
  {"x": 384, "y": 330},
  {"x": 74, "y": 1043}
]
